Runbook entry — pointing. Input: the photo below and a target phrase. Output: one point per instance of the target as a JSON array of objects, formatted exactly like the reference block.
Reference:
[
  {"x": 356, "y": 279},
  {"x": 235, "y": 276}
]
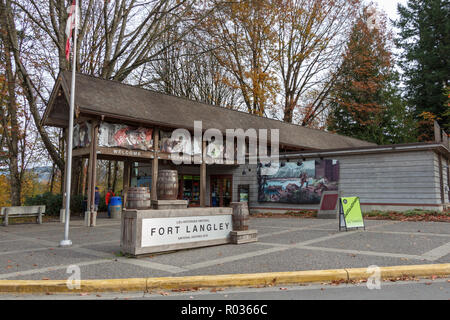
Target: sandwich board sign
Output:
[{"x": 350, "y": 214}]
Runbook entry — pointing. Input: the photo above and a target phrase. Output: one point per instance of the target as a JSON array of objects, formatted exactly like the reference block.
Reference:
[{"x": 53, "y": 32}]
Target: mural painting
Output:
[{"x": 300, "y": 182}]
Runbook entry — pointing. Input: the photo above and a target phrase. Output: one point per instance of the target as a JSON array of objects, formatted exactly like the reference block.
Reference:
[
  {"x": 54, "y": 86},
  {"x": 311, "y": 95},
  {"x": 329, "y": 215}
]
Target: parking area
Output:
[{"x": 31, "y": 252}]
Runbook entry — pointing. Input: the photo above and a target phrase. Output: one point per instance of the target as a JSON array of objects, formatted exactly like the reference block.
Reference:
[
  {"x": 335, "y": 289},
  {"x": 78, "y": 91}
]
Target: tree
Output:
[
  {"x": 116, "y": 39},
  {"x": 425, "y": 42},
  {"x": 189, "y": 69},
  {"x": 17, "y": 143},
  {"x": 365, "y": 100},
  {"x": 309, "y": 41},
  {"x": 242, "y": 34}
]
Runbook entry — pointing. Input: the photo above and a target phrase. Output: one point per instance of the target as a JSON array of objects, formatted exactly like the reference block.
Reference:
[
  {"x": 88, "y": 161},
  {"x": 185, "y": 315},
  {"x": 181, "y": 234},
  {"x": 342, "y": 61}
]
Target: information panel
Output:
[
  {"x": 352, "y": 212},
  {"x": 167, "y": 231}
]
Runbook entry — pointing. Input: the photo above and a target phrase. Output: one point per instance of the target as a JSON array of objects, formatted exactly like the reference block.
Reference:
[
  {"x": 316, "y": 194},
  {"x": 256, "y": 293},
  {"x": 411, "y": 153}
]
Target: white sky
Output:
[{"x": 390, "y": 6}]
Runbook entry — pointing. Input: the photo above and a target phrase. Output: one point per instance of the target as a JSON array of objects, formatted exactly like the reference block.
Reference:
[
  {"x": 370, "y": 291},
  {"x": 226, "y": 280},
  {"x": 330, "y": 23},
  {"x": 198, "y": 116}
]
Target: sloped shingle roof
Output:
[{"x": 115, "y": 99}]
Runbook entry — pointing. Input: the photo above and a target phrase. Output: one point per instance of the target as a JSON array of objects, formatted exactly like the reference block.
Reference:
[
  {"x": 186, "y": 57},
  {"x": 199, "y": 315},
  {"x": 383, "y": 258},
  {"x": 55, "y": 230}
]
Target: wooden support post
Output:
[
  {"x": 94, "y": 172},
  {"x": 203, "y": 177},
  {"x": 126, "y": 181},
  {"x": 154, "y": 195},
  {"x": 87, "y": 213}
]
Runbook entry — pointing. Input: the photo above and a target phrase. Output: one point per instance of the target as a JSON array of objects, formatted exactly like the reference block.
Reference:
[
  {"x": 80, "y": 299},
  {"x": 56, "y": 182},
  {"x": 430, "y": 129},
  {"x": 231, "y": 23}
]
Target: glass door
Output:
[{"x": 221, "y": 191}]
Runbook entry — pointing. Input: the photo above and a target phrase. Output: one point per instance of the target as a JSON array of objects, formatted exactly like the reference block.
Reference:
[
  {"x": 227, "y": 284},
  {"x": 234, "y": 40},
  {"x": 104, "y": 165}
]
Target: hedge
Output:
[{"x": 53, "y": 203}]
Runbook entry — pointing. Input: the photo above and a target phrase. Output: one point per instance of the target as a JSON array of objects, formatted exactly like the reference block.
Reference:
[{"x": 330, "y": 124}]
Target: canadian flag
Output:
[{"x": 73, "y": 16}]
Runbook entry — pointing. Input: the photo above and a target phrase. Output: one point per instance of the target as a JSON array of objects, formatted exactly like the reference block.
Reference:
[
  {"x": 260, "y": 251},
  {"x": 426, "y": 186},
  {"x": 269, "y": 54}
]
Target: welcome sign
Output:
[{"x": 178, "y": 230}]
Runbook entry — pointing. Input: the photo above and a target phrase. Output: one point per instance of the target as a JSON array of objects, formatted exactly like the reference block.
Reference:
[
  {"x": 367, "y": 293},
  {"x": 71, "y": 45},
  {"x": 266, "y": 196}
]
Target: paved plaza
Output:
[{"x": 31, "y": 252}]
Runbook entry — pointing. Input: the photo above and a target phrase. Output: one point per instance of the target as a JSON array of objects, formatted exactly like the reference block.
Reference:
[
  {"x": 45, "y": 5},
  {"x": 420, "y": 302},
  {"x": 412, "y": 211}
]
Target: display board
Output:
[
  {"x": 82, "y": 135},
  {"x": 299, "y": 182},
  {"x": 328, "y": 208},
  {"x": 117, "y": 135},
  {"x": 244, "y": 192},
  {"x": 350, "y": 214}
]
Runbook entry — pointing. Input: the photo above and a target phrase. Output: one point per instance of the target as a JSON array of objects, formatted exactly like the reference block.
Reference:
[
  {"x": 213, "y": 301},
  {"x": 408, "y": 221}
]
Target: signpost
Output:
[{"x": 350, "y": 215}]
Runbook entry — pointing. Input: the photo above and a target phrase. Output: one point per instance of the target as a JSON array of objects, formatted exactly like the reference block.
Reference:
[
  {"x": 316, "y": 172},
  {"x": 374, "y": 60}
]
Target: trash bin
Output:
[{"x": 115, "y": 207}]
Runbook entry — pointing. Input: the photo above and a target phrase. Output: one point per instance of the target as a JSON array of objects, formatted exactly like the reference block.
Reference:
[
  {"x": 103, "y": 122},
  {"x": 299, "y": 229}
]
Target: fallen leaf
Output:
[
  {"x": 45, "y": 279},
  {"x": 283, "y": 288}
]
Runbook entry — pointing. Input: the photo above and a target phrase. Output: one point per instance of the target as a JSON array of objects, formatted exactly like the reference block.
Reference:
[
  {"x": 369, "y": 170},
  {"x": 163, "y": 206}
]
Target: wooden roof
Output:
[{"x": 122, "y": 102}]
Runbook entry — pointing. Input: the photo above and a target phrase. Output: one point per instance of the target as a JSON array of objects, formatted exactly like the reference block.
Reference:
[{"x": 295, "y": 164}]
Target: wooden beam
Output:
[
  {"x": 89, "y": 188},
  {"x": 154, "y": 194},
  {"x": 203, "y": 177},
  {"x": 126, "y": 181},
  {"x": 94, "y": 144},
  {"x": 81, "y": 152},
  {"x": 121, "y": 152}
]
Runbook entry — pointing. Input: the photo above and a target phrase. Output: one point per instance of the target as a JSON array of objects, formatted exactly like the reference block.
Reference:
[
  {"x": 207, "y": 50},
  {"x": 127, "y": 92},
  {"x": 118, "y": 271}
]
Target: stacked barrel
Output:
[
  {"x": 167, "y": 185},
  {"x": 138, "y": 198}
]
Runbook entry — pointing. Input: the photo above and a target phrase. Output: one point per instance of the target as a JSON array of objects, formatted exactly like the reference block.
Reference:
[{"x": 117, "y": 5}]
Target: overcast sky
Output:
[{"x": 390, "y": 6}]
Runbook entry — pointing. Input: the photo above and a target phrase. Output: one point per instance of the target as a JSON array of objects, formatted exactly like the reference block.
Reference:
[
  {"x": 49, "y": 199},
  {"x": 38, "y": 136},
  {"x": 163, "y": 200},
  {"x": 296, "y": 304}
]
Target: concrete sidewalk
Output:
[{"x": 31, "y": 252}]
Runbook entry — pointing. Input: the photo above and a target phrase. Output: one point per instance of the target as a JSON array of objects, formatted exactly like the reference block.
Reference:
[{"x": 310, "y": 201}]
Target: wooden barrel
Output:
[
  {"x": 240, "y": 216},
  {"x": 138, "y": 198},
  {"x": 167, "y": 185}
]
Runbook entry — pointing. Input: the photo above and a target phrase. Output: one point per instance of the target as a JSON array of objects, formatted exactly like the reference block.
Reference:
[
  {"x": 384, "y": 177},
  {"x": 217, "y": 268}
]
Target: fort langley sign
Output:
[
  {"x": 163, "y": 231},
  {"x": 150, "y": 231}
]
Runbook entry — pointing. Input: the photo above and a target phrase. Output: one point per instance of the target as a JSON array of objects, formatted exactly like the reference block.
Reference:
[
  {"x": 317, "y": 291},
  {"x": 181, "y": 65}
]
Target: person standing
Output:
[{"x": 108, "y": 197}]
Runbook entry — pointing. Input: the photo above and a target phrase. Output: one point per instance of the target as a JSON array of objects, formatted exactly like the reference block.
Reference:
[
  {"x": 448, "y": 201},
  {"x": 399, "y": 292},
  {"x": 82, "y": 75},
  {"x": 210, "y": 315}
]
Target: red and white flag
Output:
[{"x": 73, "y": 15}]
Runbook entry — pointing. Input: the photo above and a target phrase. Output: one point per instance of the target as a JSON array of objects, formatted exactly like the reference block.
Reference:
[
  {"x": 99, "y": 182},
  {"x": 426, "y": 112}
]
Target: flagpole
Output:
[{"x": 66, "y": 242}]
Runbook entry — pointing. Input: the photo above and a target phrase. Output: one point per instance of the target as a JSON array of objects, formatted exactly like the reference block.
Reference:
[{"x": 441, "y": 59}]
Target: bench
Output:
[{"x": 27, "y": 211}]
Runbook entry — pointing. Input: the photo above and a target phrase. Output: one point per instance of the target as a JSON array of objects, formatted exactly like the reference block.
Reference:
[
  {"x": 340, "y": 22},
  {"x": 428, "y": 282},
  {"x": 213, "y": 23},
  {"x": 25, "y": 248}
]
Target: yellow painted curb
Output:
[
  {"x": 229, "y": 280},
  {"x": 61, "y": 286},
  {"x": 252, "y": 279},
  {"x": 425, "y": 270}
]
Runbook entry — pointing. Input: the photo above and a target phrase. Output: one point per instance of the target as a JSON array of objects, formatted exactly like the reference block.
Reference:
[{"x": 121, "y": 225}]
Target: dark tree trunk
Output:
[{"x": 9, "y": 121}]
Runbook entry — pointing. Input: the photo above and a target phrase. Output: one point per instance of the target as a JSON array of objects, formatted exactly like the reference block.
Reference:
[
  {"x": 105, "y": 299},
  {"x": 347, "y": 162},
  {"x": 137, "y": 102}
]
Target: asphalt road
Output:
[{"x": 31, "y": 252}]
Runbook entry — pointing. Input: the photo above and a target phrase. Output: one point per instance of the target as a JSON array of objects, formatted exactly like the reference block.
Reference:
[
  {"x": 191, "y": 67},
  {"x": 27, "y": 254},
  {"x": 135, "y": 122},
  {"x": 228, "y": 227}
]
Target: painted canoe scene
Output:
[{"x": 299, "y": 182}]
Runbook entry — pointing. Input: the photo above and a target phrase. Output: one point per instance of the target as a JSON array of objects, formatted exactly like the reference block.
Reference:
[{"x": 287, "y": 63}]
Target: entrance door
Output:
[{"x": 221, "y": 191}]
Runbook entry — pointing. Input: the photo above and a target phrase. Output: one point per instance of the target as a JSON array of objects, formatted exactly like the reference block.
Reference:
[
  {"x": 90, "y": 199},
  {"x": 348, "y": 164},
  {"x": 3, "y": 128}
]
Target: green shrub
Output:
[{"x": 54, "y": 202}]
